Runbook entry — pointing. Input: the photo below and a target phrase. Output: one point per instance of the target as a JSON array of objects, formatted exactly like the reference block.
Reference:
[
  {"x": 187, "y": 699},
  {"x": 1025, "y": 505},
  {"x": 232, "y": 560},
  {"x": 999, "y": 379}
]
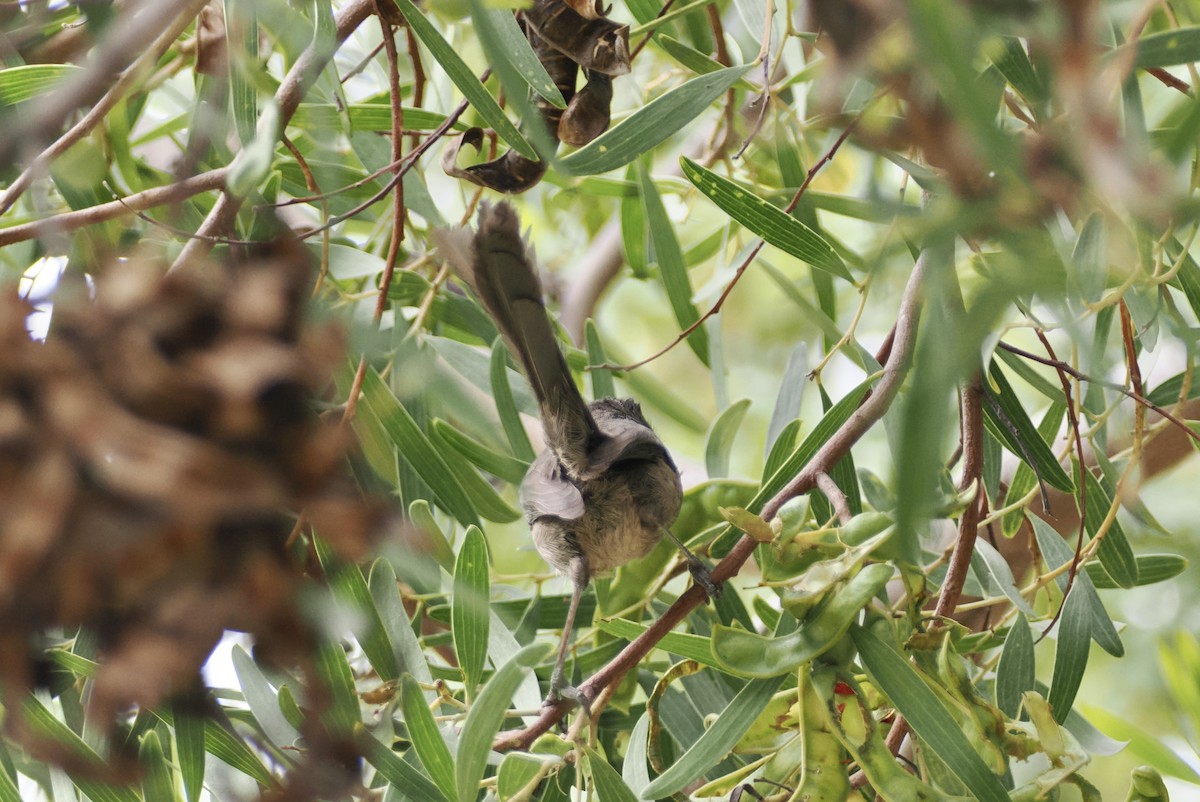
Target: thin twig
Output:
[
  {"x": 1073, "y": 418},
  {"x": 141, "y": 66},
  {"x": 152, "y": 22},
  {"x": 640, "y": 45},
  {"x": 716, "y": 307},
  {"x": 295, "y": 85},
  {"x": 836, "y": 496},
  {"x": 1081, "y": 376},
  {"x": 972, "y": 475},
  {"x": 146, "y": 199},
  {"x": 835, "y": 448}
]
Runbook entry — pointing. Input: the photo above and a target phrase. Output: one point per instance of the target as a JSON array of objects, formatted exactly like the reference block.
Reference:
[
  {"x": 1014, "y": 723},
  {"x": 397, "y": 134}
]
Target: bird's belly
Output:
[{"x": 613, "y": 543}]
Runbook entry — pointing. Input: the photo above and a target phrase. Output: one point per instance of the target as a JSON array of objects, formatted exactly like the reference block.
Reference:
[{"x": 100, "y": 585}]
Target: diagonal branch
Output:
[
  {"x": 295, "y": 86},
  {"x": 163, "y": 26},
  {"x": 836, "y": 447},
  {"x": 137, "y": 202}
]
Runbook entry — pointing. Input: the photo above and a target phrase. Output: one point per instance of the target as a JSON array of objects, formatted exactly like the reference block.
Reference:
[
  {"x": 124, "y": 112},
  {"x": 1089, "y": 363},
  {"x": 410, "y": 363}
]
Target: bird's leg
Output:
[
  {"x": 558, "y": 681},
  {"x": 699, "y": 571}
]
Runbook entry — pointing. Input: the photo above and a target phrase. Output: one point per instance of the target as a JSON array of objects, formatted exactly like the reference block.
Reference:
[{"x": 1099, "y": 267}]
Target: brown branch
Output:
[
  {"x": 1170, "y": 80},
  {"x": 146, "y": 199},
  {"x": 971, "y": 407},
  {"x": 293, "y": 89},
  {"x": 645, "y": 41},
  {"x": 837, "y": 498},
  {"x": 1081, "y": 376},
  {"x": 1073, "y": 418},
  {"x": 835, "y": 448},
  {"x": 398, "y": 210}
]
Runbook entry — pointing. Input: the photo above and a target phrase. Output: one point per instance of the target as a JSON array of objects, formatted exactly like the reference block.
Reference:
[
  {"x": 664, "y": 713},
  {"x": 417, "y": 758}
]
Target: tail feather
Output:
[{"x": 497, "y": 265}]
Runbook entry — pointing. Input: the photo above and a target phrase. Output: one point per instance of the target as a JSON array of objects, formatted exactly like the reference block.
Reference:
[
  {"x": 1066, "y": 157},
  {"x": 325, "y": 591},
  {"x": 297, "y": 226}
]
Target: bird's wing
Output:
[{"x": 546, "y": 491}]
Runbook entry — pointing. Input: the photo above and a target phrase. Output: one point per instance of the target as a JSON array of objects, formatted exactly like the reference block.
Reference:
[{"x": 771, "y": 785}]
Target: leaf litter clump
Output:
[{"x": 155, "y": 452}]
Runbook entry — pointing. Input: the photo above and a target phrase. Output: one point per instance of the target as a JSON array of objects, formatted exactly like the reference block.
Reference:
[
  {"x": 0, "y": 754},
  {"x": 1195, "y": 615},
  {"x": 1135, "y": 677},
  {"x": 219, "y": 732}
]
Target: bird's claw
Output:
[
  {"x": 703, "y": 577},
  {"x": 570, "y": 693}
]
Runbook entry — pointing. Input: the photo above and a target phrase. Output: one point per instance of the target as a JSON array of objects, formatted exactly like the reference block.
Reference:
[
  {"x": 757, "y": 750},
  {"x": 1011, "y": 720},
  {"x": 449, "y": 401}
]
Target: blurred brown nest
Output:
[{"x": 155, "y": 452}]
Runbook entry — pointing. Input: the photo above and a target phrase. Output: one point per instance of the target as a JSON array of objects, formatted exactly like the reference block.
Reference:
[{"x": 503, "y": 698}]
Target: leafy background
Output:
[{"x": 1057, "y": 146}]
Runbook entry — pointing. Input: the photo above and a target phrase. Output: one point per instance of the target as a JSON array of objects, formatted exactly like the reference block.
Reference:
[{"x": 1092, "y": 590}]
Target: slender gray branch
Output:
[{"x": 293, "y": 89}]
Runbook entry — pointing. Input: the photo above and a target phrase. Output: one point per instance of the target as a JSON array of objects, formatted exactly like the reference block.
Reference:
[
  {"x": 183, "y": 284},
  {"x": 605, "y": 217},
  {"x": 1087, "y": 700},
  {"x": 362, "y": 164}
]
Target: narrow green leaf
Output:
[
  {"x": 716, "y": 742},
  {"x": 772, "y": 224},
  {"x": 366, "y": 117},
  {"x": 484, "y": 498},
  {"x": 1012, "y": 427},
  {"x": 290, "y": 707},
  {"x": 426, "y": 737},
  {"x": 671, "y": 267},
  {"x": 253, "y": 162},
  {"x": 691, "y": 647},
  {"x": 9, "y": 792},
  {"x": 229, "y": 748},
  {"x": 1015, "y": 674},
  {"x": 798, "y": 458},
  {"x": 603, "y": 385},
  {"x": 928, "y": 717},
  {"x": 748, "y": 654},
  {"x": 721, "y": 438},
  {"x": 485, "y": 717},
  {"x": 1116, "y": 555},
  {"x": 634, "y": 771},
  {"x": 1024, "y": 479},
  {"x": 998, "y": 568},
  {"x": 403, "y": 777},
  {"x": 241, "y": 36},
  {"x": 348, "y": 583},
  {"x": 44, "y": 724},
  {"x": 422, "y": 517},
  {"x": 518, "y": 772},
  {"x": 1166, "y": 48},
  {"x": 651, "y": 124},
  {"x": 1151, "y": 568},
  {"x": 1052, "y": 390},
  {"x": 1056, "y": 554},
  {"x": 1071, "y": 653},
  {"x": 469, "y": 611},
  {"x": 333, "y": 668},
  {"x": 28, "y": 81},
  {"x": 262, "y": 699},
  {"x": 634, "y": 237},
  {"x": 416, "y": 448},
  {"x": 464, "y": 79},
  {"x": 189, "y": 747},
  {"x": 502, "y": 647},
  {"x": 509, "y": 38},
  {"x": 607, "y": 782},
  {"x": 510, "y": 469},
  {"x": 791, "y": 392},
  {"x": 157, "y": 785},
  {"x": 1014, "y": 64},
  {"x": 506, "y": 405},
  {"x": 1146, "y": 746},
  {"x": 384, "y": 590},
  {"x": 1168, "y": 393},
  {"x": 1088, "y": 258}
]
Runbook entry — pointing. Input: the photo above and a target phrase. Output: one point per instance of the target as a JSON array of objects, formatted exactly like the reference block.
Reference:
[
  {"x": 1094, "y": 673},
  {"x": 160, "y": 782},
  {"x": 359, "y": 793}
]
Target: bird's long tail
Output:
[{"x": 497, "y": 265}]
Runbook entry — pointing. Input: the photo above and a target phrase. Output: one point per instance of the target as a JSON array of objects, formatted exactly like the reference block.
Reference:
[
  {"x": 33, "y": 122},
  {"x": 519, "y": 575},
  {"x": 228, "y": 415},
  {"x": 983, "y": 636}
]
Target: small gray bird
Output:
[{"x": 605, "y": 490}]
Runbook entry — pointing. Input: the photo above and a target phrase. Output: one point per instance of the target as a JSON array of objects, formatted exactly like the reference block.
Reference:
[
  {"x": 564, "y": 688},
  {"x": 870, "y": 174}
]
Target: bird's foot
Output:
[
  {"x": 570, "y": 693},
  {"x": 702, "y": 576}
]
